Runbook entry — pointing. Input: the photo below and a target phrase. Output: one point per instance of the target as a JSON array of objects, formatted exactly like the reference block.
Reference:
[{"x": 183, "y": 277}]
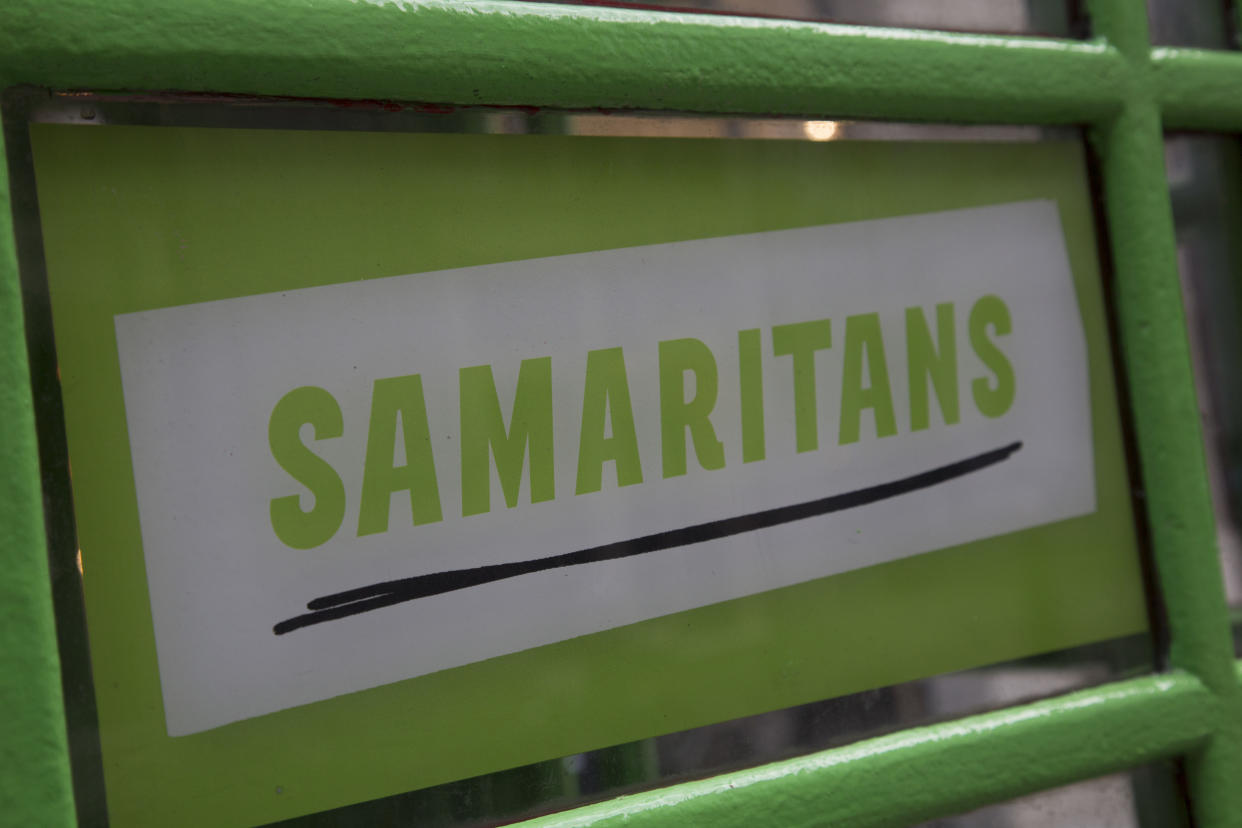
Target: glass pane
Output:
[
  {"x": 1202, "y": 24},
  {"x": 1145, "y": 797},
  {"x": 523, "y": 793},
  {"x": 1205, "y": 177},
  {"x": 1036, "y": 17},
  {"x": 146, "y": 211}
]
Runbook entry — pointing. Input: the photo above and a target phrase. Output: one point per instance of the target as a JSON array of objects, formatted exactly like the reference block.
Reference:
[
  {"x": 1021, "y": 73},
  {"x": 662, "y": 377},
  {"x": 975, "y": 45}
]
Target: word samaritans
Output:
[{"x": 608, "y": 434}]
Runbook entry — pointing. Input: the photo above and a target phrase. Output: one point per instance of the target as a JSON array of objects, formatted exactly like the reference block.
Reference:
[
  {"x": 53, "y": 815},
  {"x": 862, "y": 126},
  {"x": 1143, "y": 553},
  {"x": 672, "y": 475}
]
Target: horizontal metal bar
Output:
[
  {"x": 1198, "y": 88},
  {"x": 932, "y": 771},
  {"x": 554, "y": 55}
]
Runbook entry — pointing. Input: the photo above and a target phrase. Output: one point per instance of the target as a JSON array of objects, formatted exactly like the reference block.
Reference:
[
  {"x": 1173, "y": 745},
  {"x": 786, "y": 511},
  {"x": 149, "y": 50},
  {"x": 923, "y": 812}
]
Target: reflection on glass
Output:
[
  {"x": 570, "y": 781},
  {"x": 1202, "y": 24},
  {"x": 1145, "y": 796},
  {"x": 556, "y": 785},
  {"x": 105, "y": 110},
  {"x": 1204, "y": 172},
  {"x": 1038, "y": 17}
]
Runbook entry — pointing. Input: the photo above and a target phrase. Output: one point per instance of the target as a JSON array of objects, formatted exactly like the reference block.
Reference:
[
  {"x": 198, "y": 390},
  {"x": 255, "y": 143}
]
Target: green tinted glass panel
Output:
[{"x": 137, "y": 218}]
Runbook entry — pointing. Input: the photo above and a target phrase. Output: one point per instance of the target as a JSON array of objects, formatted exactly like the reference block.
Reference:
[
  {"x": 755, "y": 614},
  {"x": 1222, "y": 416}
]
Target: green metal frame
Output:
[{"x": 500, "y": 53}]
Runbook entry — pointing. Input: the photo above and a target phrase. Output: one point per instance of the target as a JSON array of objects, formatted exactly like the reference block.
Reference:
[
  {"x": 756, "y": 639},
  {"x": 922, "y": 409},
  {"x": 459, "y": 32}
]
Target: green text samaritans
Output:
[{"x": 526, "y": 442}]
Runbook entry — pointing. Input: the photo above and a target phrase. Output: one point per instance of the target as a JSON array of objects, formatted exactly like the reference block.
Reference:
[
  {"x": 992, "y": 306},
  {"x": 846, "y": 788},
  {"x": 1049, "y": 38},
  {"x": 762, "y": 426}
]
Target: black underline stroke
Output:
[{"x": 387, "y": 593}]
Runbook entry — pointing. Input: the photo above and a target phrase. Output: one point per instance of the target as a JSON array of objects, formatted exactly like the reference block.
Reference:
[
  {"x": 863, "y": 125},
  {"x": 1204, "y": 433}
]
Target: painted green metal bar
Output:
[
  {"x": 1166, "y": 419},
  {"x": 1152, "y": 329},
  {"x": 938, "y": 770},
  {"x": 549, "y": 55},
  {"x": 1156, "y": 352},
  {"x": 35, "y": 787},
  {"x": 1198, "y": 89},
  {"x": 1123, "y": 24}
]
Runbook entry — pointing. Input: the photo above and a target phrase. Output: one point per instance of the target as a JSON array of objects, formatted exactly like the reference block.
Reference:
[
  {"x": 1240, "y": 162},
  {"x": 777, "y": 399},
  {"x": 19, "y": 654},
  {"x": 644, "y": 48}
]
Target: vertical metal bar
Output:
[
  {"x": 35, "y": 786},
  {"x": 1166, "y": 414},
  {"x": 1157, "y": 360},
  {"x": 1166, "y": 421},
  {"x": 1157, "y": 356},
  {"x": 1123, "y": 23}
]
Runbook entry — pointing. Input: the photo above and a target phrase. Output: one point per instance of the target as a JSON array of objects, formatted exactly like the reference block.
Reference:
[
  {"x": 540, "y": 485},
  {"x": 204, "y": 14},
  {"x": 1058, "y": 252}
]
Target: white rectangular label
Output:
[{"x": 350, "y": 485}]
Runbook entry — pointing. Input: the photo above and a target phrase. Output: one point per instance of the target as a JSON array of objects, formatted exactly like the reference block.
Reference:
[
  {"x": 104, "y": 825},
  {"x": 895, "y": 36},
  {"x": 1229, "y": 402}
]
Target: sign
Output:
[
  {"x": 349, "y": 485},
  {"x": 201, "y": 279}
]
